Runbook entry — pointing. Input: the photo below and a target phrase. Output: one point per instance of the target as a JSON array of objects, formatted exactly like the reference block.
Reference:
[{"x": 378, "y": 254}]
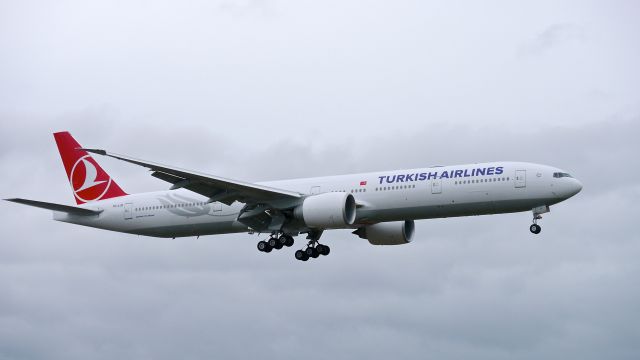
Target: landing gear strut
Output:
[
  {"x": 537, "y": 215},
  {"x": 275, "y": 241},
  {"x": 314, "y": 248}
]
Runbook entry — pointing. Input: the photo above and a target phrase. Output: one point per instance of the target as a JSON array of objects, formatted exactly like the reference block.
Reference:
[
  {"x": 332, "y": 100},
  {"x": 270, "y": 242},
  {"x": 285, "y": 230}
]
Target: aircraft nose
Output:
[
  {"x": 574, "y": 188},
  {"x": 578, "y": 186}
]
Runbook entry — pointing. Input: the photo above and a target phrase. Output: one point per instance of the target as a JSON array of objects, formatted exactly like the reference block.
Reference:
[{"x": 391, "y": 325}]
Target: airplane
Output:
[{"x": 380, "y": 207}]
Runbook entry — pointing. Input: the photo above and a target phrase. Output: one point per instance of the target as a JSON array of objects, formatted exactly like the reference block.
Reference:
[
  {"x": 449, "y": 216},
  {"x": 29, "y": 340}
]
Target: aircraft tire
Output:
[
  {"x": 312, "y": 252},
  {"x": 323, "y": 249},
  {"x": 275, "y": 243},
  {"x": 288, "y": 240},
  {"x": 301, "y": 255},
  {"x": 535, "y": 228},
  {"x": 262, "y": 246}
]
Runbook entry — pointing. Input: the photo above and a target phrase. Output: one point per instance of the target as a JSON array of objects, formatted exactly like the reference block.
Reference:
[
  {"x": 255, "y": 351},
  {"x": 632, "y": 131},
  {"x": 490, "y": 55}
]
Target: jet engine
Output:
[
  {"x": 327, "y": 211},
  {"x": 388, "y": 233}
]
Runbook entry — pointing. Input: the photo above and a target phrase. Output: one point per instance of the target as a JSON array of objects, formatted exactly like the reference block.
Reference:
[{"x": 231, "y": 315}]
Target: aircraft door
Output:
[
  {"x": 521, "y": 178},
  {"x": 436, "y": 186},
  {"x": 315, "y": 190},
  {"x": 128, "y": 211}
]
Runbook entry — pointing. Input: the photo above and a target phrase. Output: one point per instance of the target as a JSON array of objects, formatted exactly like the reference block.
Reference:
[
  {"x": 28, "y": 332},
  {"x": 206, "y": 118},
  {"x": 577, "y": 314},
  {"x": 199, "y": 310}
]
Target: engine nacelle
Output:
[
  {"x": 327, "y": 211},
  {"x": 388, "y": 233}
]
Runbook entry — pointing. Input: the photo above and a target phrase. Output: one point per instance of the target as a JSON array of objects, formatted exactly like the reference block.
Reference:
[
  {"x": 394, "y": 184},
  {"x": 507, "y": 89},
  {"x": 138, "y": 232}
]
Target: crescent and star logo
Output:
[{"x": 87, "y": 183}]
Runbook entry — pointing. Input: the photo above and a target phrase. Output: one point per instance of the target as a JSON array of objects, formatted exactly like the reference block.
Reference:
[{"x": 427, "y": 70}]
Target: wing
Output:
[
  {"x": 216, "y": 188},
  {"x": 57, "y": 207}
]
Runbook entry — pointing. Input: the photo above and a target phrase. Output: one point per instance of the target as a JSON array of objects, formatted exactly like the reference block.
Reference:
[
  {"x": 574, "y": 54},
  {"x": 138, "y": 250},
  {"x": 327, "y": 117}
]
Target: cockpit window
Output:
[{"x": 561, "y": 175}]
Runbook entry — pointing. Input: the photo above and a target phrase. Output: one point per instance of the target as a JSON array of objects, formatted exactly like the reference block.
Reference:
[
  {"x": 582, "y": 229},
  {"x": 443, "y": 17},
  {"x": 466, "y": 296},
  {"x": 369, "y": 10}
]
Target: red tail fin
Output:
[{"x": 89, "y": 181}]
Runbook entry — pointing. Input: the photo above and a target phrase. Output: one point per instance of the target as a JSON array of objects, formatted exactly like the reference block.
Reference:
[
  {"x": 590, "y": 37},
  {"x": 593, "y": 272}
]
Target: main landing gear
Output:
[
  {"x": 275, "y": 241},
  {"x": 313, "y": 250},
  {"x": 278, "y": 240}
]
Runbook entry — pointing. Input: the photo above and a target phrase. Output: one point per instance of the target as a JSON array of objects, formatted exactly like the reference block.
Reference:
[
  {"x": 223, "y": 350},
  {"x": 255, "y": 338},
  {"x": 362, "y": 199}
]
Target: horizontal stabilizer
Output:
[{"x": 57, "y": 207}]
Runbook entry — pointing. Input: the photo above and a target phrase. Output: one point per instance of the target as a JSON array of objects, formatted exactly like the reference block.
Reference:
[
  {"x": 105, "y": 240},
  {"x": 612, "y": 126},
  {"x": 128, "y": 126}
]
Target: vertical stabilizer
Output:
[{"x": 89, "y": 182}]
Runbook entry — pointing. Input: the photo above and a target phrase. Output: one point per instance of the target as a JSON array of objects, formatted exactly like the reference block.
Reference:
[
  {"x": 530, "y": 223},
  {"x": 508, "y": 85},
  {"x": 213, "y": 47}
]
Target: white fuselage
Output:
[{"x": 413, "y": 194}]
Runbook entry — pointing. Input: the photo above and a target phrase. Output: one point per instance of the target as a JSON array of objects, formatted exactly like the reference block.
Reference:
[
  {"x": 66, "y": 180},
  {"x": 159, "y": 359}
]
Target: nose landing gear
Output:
[{"x": 537, "y": 215}]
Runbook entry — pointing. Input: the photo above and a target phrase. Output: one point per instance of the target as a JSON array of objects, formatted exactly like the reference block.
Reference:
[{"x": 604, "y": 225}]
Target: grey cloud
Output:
[{"x": 553, "y": 35}]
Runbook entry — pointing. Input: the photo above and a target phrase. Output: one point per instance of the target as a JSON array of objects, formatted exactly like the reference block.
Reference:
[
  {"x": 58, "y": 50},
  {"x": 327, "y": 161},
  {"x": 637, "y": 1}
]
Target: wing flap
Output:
[{"x": 56, "y": 207}]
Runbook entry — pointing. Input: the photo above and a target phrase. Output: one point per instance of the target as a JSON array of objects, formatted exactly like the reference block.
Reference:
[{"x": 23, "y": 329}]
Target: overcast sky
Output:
[{"x": 262, "y": 90}]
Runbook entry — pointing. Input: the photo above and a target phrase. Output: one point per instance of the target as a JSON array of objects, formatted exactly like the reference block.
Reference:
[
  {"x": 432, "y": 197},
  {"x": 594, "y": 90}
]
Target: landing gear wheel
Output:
[
  {"x": 323, "y": 249},
  {"x": 535, "y": 228},
  {"x": 288, "y": 240},
  {"x": 301, "y": 255},
  {"x": 312, "y": 252},
  {"x": 262, "y": 246},
  {"x": 275, "y": 243}
]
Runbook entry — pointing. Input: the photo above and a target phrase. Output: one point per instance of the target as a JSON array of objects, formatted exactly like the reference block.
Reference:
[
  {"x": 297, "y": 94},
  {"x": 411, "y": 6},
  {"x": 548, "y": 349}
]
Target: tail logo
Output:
[{"x": 87, "y": 183}]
